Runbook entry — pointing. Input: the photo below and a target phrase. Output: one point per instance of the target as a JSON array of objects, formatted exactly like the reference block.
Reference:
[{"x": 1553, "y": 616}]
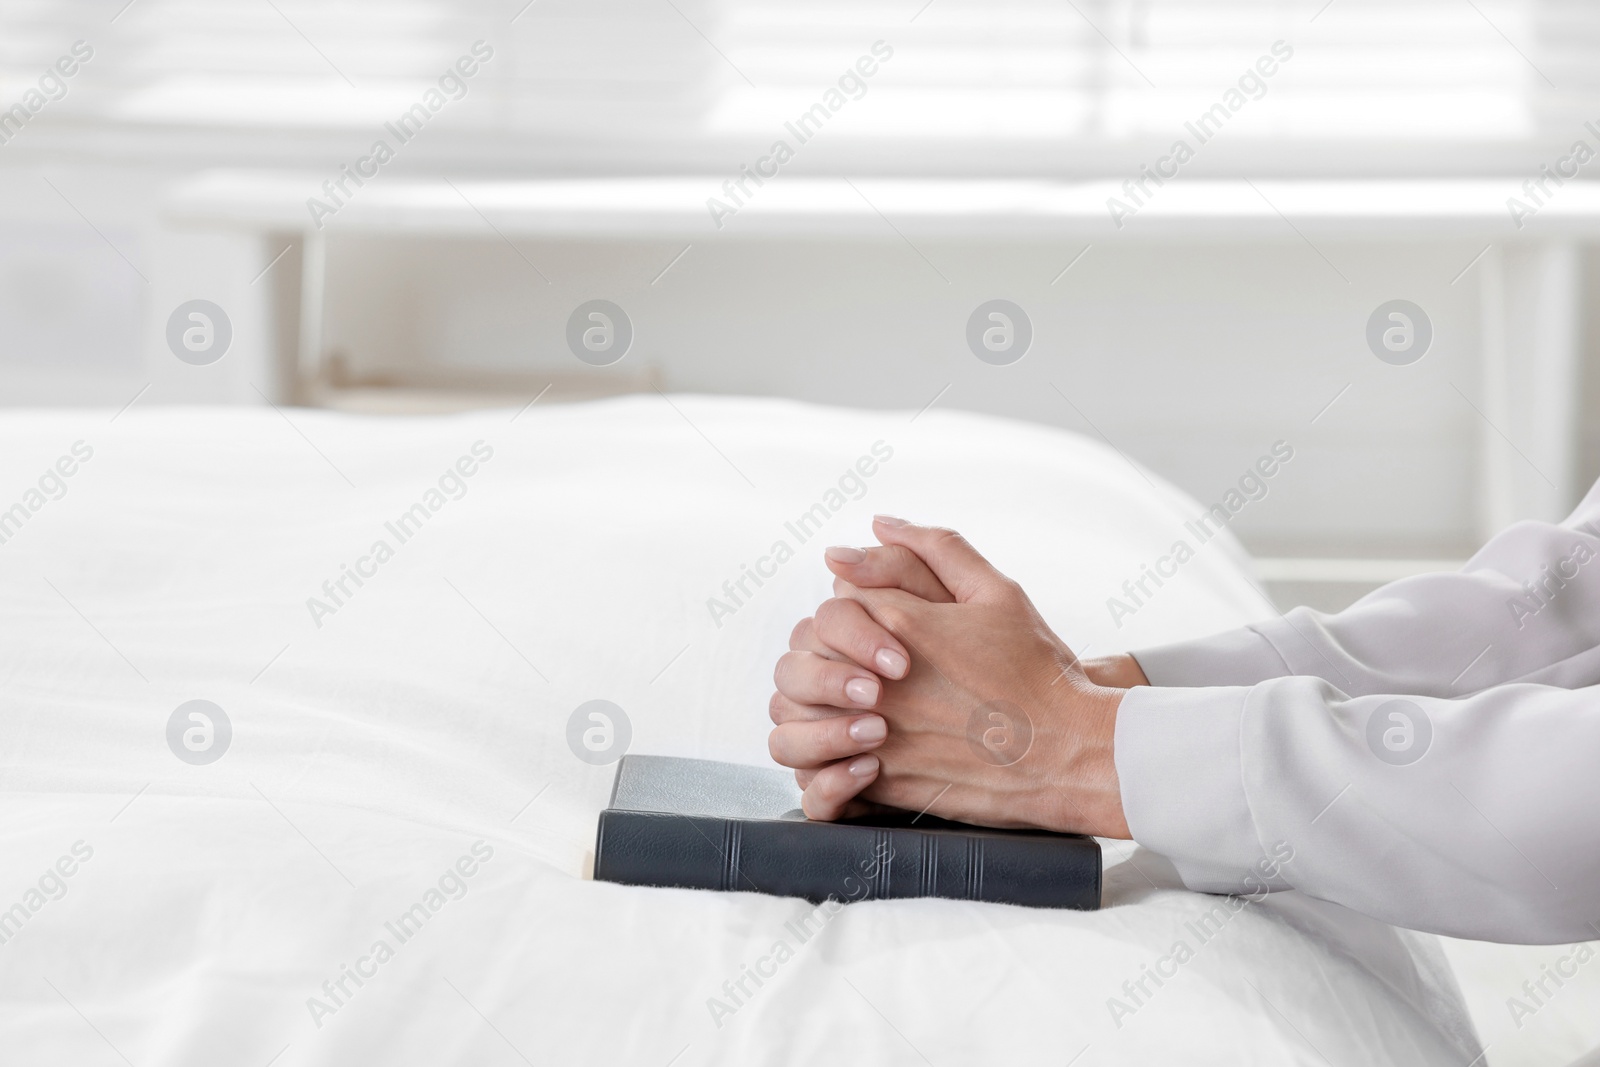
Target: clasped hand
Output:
[{"x": 930, "y": 683}]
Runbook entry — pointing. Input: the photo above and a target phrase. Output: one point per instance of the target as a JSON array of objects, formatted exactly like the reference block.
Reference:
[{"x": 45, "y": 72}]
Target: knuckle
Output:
[
  {"x": 801, "y": 632},
  {"x": 821, "y": 801},
  {"x": 784, "y": 673},
  {"x": 840, "y": 629},
  {"x": 829, "y": 614},
  {"x": 812, "y": 806},
  {"x": 837, "y": 735},
  {"x": 900, "y": 557},
  {"x": 799, "y": 745},
  {"x": 776, "y": 707},
  {"x": 896, "y": 618}
]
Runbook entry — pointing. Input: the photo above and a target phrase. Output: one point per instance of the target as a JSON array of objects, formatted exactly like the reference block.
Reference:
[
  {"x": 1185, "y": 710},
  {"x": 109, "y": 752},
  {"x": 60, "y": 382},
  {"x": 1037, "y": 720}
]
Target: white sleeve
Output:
[
  {"x": 1526, "y": 608},
  {"x": 1476, "y": 817}
]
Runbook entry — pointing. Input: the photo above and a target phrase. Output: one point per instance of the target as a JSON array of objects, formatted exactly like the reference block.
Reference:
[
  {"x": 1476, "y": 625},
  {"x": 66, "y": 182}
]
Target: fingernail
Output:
[
  {"x": 869, "y": 728},
  {"x": 889, "y": 520},
  {"x": 863, "y": 691},
  {"x": 845, "y": 554},
  {"x": 864, "y": 766},
  {"x": 891, "y": 662}
]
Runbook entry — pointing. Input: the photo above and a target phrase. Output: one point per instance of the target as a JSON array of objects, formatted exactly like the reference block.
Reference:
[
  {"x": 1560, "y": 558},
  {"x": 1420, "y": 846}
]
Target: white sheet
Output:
[{"x": 429, "y": 712}]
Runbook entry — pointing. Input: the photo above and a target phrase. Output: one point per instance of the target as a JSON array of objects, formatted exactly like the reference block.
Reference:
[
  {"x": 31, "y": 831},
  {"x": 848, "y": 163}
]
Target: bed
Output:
[{"x": 394, "y": 735}]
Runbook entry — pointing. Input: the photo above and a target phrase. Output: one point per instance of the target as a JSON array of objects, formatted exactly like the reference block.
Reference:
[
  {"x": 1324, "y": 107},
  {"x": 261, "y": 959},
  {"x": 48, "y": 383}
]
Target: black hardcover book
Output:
[{"x": 701, "y": 824}]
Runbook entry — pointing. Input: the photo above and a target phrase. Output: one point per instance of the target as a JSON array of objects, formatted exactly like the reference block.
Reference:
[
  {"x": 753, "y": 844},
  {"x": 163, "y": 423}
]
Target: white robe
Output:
[{"x": 1429, "y": 756}]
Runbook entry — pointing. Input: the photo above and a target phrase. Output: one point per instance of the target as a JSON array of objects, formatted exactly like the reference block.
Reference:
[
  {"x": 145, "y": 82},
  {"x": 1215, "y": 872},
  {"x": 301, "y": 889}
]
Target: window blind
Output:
[{"x": 1036, "y": 87}]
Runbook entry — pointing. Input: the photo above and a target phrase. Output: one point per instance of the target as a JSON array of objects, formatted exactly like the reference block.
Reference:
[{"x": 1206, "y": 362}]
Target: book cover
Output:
[{"x": 703, "y": 824}]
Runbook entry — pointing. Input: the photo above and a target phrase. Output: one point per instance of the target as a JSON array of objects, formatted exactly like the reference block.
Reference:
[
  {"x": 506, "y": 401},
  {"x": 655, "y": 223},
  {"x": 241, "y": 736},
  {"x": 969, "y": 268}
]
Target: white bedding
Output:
[{"x": 429, "y": 710}]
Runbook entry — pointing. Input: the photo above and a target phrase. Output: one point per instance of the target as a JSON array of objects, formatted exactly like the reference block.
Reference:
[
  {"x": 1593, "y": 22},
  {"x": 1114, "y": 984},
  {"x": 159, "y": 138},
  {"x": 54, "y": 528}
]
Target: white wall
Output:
[{"x": 1192, "y": 359}]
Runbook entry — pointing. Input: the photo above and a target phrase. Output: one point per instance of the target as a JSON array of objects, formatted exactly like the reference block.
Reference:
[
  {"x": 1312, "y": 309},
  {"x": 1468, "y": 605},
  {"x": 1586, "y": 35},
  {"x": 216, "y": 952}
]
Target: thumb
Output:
[
  {"x": 886, "y": 567},
  {"x": 952, "y": 559}
]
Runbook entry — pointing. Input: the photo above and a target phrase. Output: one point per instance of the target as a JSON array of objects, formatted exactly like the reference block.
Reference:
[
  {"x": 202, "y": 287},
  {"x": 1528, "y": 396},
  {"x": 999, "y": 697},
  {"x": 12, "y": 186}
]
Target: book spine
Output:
[{"x": 843, "y": 861}]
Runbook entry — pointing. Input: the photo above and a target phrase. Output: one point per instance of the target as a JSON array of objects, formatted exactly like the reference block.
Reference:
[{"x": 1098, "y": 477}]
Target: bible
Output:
[{"x": 703, "y": 824}]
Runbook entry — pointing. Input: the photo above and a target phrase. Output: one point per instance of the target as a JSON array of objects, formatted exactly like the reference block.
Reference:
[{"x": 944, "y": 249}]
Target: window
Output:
[{"x": 1041, "y": 88}]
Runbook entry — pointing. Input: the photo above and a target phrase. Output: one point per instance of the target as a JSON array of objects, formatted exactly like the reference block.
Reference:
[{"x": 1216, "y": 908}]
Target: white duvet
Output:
[{"x": 388, "y": 863}]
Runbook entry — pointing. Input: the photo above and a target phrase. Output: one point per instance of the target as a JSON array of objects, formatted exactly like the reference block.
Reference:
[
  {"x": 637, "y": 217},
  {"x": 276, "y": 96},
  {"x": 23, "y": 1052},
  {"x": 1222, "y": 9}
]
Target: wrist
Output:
[
  {"x": 1080, "y": 792},
  {"x": 1120, "y": 671}
]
